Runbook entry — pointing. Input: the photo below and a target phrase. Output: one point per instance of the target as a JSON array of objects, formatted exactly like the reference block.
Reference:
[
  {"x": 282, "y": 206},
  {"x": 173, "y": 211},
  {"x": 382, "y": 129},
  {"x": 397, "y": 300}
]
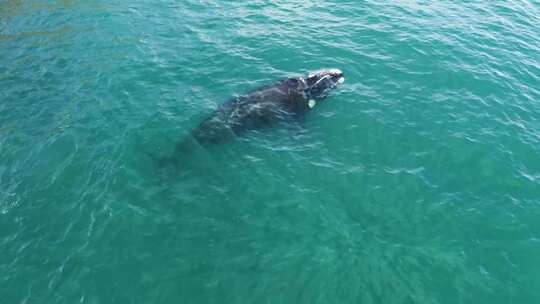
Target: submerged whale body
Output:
[{"x": 286, "y": 99}]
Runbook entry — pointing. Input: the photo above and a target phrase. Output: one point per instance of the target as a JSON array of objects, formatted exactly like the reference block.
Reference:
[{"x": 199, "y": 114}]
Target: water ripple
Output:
[{"x": 417, "y": 181}]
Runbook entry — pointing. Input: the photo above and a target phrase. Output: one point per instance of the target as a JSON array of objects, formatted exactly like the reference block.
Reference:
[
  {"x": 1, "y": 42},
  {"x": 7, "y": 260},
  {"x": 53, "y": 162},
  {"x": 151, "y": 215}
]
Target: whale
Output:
[{"x": 285, "y": 100}]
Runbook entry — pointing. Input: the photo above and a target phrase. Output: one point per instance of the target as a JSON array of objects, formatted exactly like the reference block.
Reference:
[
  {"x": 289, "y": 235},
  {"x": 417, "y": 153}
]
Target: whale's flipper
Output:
[{"x": 160, "y": 161}]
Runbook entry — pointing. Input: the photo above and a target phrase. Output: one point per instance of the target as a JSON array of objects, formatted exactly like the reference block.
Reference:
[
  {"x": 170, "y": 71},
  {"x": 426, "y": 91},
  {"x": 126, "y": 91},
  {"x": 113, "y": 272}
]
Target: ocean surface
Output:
[{"x": 416, "y": 181}]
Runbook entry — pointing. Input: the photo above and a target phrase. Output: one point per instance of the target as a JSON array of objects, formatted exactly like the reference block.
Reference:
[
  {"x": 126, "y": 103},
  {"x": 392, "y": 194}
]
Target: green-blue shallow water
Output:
[{"x": 417, "y": 181}]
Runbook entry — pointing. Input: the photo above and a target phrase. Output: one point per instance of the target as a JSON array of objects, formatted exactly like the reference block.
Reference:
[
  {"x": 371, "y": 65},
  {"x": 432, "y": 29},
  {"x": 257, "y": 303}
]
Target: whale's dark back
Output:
[{"x": 258, "y": 109}]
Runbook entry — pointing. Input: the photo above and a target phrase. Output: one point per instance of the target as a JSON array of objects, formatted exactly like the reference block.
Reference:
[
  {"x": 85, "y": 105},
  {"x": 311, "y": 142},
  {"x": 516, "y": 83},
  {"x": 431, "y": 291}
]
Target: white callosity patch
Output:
[
  {"x": 325, "y": 71},
  {"x": 311, "y": 103},
  {"x": 341, "y": 80},
  {"x": 334, "y": 71}
]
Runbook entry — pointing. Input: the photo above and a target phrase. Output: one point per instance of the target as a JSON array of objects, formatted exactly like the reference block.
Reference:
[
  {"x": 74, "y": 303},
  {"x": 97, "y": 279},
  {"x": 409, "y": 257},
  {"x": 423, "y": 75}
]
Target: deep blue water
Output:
[{"x": 417, "y": 181}]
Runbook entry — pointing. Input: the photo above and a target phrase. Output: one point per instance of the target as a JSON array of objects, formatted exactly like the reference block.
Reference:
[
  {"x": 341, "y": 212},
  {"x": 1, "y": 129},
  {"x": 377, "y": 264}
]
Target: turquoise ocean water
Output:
[{"x": 417, "y": 181}]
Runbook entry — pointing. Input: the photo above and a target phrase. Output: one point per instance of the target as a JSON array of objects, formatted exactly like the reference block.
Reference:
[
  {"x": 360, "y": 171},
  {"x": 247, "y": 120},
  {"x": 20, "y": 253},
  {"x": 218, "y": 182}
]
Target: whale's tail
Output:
[
  {"x": 160, "y": 161},
  {"x": 182, "y": 149}
]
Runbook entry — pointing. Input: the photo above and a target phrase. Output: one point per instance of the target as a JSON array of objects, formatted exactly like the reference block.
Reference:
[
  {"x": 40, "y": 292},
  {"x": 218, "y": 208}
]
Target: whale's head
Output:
[{"x": 321, "y": 82}]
